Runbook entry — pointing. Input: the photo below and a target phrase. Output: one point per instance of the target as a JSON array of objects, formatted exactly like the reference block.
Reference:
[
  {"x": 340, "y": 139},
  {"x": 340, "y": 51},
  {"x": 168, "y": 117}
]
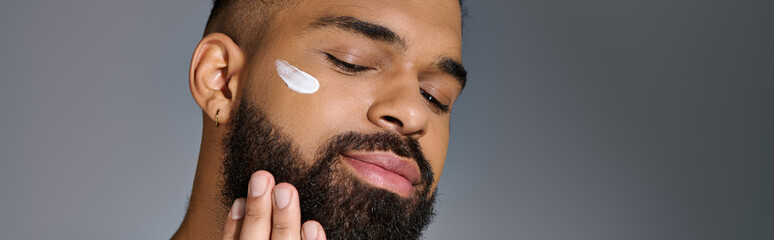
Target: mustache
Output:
[{"x": 381, "y": 141}]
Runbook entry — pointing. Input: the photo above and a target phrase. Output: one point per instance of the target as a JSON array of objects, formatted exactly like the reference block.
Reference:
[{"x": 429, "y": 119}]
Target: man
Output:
[{"x": 323, "y": 119}]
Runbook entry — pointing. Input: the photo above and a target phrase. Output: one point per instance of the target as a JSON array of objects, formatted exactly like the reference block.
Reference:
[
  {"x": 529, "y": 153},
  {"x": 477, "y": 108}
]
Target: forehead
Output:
[{"x": 436, "y": 22}]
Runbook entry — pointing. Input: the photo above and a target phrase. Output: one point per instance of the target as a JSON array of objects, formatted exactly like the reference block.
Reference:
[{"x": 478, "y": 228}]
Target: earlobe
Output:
[{"x": 214, "y": 74}]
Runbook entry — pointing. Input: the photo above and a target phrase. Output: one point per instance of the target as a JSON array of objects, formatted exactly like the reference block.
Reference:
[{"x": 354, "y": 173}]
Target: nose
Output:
[{"x": 401, "y": 109}]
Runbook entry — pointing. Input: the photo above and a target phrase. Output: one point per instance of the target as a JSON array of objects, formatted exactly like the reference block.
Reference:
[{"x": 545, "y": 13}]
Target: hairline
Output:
[{"x": 264, "y": 17}]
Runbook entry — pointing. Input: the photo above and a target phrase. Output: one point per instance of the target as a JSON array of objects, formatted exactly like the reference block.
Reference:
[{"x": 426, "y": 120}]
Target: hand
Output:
[{"x": 269, "y": 212}]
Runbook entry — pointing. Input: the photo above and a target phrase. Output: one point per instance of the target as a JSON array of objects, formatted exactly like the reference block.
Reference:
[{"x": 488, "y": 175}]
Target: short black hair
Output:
[{"x": 244, "y": 20}]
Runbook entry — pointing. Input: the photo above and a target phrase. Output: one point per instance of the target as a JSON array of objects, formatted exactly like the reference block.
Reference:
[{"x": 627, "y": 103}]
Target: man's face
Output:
[
  {"x": 392, "y": 94},
  {"x": 389, "y": 73}
]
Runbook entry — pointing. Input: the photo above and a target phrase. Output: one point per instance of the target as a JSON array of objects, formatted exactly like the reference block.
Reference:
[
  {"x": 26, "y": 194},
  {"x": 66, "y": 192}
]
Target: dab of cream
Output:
[{"x": 296, "y": 79}]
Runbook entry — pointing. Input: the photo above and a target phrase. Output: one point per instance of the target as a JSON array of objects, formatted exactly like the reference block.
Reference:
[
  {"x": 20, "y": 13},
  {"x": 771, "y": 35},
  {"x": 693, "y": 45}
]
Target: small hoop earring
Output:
[{"x": 217, "y": 115}]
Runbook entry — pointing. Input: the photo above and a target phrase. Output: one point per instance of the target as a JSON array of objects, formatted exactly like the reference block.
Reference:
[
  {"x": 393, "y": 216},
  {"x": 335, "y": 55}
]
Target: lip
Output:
[{"x": 385, "y": 169}]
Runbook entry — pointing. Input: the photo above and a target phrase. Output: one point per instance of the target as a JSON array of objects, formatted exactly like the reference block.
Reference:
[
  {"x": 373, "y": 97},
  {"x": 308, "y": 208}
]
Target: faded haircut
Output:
[{"x": 244, "y": 21}]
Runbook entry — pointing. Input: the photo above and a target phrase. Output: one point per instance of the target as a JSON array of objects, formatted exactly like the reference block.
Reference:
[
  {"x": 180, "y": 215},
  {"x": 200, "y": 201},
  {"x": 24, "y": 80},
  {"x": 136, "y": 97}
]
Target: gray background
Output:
[{"x": 582, "y": 120}]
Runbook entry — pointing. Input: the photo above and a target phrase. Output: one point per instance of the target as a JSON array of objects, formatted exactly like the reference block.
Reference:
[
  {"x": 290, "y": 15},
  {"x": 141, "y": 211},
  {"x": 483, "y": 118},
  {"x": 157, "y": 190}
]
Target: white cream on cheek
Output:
[{"x": 296, "y": 79}]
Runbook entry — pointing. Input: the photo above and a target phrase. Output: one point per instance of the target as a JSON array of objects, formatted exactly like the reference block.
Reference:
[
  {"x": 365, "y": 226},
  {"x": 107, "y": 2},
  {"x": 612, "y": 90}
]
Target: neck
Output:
[{"x": 206, "y": 215}]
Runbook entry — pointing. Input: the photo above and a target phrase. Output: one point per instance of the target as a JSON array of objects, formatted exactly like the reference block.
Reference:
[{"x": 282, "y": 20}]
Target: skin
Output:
[{"x": 384, "y": 98}]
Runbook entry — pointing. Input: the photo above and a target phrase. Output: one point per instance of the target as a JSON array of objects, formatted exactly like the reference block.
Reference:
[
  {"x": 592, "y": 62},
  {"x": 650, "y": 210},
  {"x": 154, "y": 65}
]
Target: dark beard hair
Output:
[{"x": 346, "y": 207}]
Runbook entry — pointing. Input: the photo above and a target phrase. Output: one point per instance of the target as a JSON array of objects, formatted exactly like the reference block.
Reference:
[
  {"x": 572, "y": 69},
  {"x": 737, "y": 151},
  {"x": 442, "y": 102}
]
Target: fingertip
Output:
[
  {"x": 265, "y": 173},
  {"x": 283, "y": 194},
  {"x": 286, "y": 185},
  {"x": 234, "y": 220},
  {"x": 259, "y": 183},
  {"x": 238, "y": 209},
  {"x": 321, "y": 232},
  {"x": 286, "y": 215},
  {"x": 311, "y": 230}
]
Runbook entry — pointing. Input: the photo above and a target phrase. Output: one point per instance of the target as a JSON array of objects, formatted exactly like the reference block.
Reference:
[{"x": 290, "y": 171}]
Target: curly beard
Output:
[{"x": 346, "y": 207}]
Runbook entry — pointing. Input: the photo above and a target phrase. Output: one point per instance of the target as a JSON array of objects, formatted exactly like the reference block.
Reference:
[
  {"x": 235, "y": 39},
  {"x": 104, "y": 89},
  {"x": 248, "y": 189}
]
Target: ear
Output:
[{"x": 215, "y": 68}]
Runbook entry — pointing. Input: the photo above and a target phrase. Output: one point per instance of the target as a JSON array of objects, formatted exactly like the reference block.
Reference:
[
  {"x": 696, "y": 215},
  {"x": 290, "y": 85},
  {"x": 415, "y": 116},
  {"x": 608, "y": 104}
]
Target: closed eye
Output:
[
  {"x": 354, "y": 68},
  {"x": 345, "y": 66},
  {"x": 437, "y": 105}
]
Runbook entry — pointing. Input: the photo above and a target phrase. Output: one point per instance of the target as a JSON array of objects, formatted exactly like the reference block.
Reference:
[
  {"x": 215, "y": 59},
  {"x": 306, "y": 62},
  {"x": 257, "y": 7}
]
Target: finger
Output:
[
  {"x": 321, "y": 234},
  {"x": 234, "y": 220},
  {"x": 312, "y": 230},
  {"x": 286, "y": 215},
  {"x": 257, "y": 221}
]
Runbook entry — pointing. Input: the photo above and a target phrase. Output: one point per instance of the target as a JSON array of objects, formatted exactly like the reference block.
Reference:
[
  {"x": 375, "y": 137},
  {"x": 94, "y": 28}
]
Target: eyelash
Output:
[
  {"x": 345, "y": 66},
  {"x": 436, "y": 104},
  {"x": 354, "y": 68}
]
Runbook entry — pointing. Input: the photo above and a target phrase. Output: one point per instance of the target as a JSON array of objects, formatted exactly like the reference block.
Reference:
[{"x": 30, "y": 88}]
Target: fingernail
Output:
[
  {"x": 281, "y": 197},
  {"x": 310, "y": 231},
  {"x": 238, "y": 209},
  {"x": 258, "y": 185}
]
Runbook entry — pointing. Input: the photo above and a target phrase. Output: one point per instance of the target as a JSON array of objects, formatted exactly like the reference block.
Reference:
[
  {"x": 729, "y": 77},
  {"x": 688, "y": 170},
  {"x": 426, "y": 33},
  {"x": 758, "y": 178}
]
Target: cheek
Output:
[
  {"x": 312, "y": 119},
  {"x": 435, "y": 145}
]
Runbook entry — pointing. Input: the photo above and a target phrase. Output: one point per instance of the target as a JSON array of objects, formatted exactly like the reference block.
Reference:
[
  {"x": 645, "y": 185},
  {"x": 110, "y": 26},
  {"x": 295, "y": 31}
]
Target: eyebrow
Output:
[
  {"x": 454, "y": 68},
  {"x": 370, "y": 30},
  {"x": 383, "y": 34}
]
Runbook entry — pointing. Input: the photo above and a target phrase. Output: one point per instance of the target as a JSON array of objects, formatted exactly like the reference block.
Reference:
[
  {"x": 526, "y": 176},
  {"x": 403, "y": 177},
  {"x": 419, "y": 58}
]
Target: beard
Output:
[{"x": 345, "y": 206}]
